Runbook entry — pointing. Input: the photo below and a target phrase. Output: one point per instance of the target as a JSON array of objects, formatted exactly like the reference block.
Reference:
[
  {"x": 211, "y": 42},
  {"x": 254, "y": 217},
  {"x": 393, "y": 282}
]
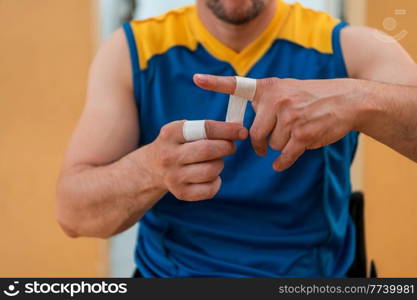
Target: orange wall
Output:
[
  {"x": 45, "y": 49},
  {"x": 390, "y": 180}
]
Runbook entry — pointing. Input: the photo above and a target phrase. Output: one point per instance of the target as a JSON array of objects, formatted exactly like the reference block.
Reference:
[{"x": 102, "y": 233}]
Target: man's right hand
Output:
[
  {"x": 106, "y": 184},
  {"x": 191, "y": 170}
]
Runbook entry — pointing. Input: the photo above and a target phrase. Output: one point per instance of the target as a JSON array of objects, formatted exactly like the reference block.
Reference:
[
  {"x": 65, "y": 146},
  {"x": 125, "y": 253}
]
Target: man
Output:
[{"x": 128, "y": 160}]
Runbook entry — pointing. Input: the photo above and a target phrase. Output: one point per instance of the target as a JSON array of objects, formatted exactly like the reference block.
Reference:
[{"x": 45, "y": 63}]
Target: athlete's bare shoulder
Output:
[
  {"x": 108, "y": 128},
  {"x": 371, "y": 54},
  {"x": 113, "y": 56}
]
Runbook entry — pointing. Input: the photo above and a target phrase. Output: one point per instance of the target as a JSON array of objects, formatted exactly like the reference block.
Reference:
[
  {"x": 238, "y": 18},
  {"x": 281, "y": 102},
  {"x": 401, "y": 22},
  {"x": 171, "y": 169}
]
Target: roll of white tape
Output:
[
  {"x": 194, "y": 130},
  {"x": 245, "y": 90}
]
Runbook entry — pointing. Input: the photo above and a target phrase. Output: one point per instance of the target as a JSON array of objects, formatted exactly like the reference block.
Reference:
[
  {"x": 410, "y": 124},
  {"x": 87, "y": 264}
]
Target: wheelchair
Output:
[{"x": 360, "y": 263}]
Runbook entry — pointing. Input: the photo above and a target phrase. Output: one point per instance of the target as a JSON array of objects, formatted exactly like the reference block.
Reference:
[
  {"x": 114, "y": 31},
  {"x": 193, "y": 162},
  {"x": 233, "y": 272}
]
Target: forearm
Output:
[
  {"x": 388, "y": 113},
  {"x": 100, "y": 201}
]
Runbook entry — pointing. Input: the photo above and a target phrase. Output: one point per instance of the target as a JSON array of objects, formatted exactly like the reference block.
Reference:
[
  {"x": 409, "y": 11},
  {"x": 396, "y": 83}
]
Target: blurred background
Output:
[{"x": 46, "y": 47}]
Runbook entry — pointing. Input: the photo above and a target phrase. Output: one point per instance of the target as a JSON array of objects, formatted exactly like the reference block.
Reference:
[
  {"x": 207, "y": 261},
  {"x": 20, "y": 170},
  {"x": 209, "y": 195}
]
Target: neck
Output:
[{"x": 236, "y": 37}]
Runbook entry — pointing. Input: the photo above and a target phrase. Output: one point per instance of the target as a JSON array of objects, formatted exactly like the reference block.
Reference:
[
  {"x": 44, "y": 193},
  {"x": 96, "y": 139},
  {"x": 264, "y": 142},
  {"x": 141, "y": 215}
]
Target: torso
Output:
[{"x": 261, "y": 223}]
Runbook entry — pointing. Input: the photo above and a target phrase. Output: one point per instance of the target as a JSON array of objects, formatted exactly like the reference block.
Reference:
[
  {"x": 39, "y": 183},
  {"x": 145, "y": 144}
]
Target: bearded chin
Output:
[{"x": 217, "y": 7}]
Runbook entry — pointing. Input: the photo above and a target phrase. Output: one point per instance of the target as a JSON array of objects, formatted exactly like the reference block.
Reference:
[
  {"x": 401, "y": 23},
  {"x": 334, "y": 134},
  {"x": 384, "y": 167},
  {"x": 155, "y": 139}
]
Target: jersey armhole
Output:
[
  {"x": 342, "y": 70},
  {"x": 338, "y": 51},
  {"x": 134, "y": 59}
]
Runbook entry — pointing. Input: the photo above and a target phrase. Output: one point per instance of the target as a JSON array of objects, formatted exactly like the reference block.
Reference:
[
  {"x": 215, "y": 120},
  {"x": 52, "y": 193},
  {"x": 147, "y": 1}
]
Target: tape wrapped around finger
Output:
[
  {"x": 245, "y": 90},
  {"x": 245, "y": 87},
  {"x": 194, "y": 130}
]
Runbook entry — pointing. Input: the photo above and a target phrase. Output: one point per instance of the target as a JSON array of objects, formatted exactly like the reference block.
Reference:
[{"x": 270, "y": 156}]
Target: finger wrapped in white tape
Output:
[
  {"x": 194, "y": 130},
  {"x": 245, "y": 87},
  {"x": 245, "y": 90}
]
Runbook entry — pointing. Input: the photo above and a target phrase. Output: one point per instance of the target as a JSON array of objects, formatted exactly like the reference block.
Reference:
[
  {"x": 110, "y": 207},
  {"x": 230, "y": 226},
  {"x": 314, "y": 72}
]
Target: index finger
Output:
[
  {"x": 214, "y": 130},
  {"x": 220, "y": 84}
]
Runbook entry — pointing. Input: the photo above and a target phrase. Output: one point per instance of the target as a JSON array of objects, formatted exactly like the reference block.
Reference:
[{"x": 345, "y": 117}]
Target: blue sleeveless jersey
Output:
[{"x": 261, "y": 223}]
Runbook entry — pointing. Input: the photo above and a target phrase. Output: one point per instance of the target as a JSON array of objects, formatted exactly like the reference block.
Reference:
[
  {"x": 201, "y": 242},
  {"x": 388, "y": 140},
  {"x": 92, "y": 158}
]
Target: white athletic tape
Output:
[
  {"x": 194, "y": 130},
  {"x": 245, "y": 87},
  {"x": 245, "y": 90},
  {"x": 236, "y": 109}
]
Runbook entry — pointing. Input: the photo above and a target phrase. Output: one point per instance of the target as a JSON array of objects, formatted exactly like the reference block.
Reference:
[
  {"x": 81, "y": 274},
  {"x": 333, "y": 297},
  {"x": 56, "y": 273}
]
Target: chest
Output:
[{"x": 167, "y": 92}]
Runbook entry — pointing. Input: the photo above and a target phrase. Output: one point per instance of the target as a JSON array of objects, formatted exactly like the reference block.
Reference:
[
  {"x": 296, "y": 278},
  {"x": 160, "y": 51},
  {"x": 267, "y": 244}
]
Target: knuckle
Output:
[
  {"x": 213, "y": 189},
  {"x": 275, "y": 145},
  {"x": 303, "y": 135},
  {"x": 182, "y": 156},
  {"x": 166, "y": 158},
  {"x": 289, "y": 119},
  {"x": 266, "y": 87},
  {"x": 181, "y": 194},
  {"x": 256, "y": 133},
  {"x": 268, "y": 82},
  {"x": 288, "y": 102},
  {"x": 208, "y": 193},
  {"x": 165, "y": 131},
  {"x": 219, "y": 167},
  {"x": 214, "y": 169},
  {"x": 308, "y": 135},
  {"x": 176, "y": 124}
]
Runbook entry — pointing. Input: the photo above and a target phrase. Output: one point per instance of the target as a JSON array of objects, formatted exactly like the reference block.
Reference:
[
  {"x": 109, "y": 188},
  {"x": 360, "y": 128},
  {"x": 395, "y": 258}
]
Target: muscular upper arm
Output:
[
  {"x": 372, "y": 55},
  {"x": 108, "y": 127}
]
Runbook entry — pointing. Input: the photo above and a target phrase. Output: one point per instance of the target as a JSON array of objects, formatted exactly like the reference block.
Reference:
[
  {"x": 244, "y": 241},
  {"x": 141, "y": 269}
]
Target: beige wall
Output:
[
  {"x": 45, "y": 49},
  {"x": 389, "y": 180}
]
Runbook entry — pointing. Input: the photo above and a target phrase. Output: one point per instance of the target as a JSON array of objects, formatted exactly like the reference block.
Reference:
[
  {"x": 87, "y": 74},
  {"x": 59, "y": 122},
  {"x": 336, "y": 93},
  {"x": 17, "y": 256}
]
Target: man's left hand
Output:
[{"x": 293, "y": 116}]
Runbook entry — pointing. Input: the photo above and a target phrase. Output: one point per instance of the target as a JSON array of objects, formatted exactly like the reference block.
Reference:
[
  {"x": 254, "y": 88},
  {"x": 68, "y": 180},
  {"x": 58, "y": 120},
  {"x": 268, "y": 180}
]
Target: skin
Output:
[
  {"x": 379, "y": 100},
  {"x": 236, "y": 37},
  {"x": 243, "y": 11},
  {"x": 107, "y": 184}
]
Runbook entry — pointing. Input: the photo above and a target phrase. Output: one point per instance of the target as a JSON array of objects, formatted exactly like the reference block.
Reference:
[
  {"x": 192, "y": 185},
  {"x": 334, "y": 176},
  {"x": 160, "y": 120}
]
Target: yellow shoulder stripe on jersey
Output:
[
  {"x": 157, "y": 35},
  {"x": 309, "y": 28}
]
